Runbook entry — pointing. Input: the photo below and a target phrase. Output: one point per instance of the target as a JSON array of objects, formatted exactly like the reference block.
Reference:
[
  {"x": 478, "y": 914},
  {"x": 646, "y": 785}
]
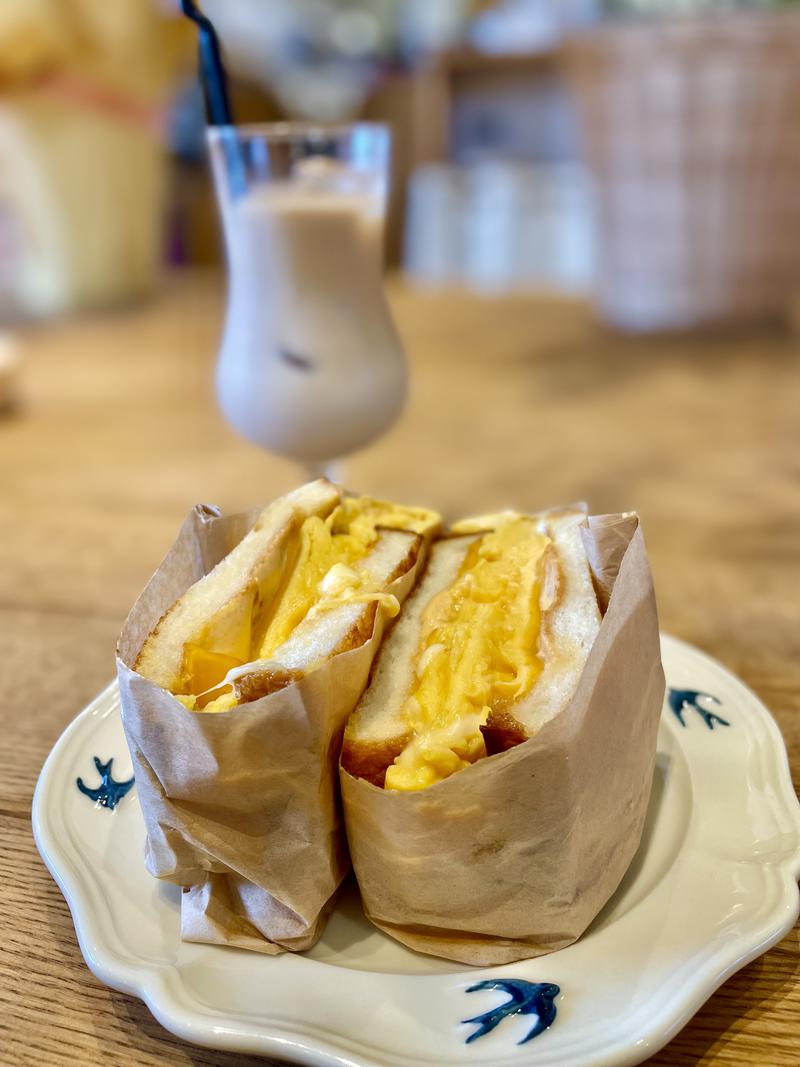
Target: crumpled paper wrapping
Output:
[
  {"x": 241, "y": 807},
  {"x": 514, "y": 856}
]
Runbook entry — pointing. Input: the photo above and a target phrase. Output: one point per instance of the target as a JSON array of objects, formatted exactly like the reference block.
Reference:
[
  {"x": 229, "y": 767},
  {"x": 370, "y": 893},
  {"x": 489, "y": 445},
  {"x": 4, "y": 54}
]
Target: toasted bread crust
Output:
[
  {"x": 360, "y": 632},
  {"x": 502, "y": 731},
  {"x": 370, "y": 759},
  {"x": 262, "y": 683},
  {"x": 411, "y": 558}
]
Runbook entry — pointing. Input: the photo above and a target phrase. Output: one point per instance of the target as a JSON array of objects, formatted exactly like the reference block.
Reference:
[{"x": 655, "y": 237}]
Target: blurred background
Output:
[
  {"x": 592, "y": 257},
  {"x": 641, "y": 153}
]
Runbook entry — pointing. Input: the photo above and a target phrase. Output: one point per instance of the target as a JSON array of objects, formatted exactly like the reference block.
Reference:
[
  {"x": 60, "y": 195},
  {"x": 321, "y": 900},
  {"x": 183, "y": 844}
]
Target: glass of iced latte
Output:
[{"x": 310, "y": 366}]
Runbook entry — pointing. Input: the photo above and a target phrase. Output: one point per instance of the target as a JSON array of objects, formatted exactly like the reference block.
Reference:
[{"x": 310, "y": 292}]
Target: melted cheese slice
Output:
[
  {"x": 323, "y": 574},
  {"x": 477, "y": 653}
]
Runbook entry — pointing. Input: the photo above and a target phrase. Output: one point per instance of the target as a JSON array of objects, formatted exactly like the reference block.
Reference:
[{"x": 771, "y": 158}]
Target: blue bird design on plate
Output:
[
  {"x": 681, "y": 699},
  {"x": 526, "y": 998},
  {"x": 110, "y": 792}
]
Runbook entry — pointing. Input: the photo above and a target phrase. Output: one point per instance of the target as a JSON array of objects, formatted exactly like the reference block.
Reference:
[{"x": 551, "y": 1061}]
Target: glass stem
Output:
[{"x": 331, "y": 469}]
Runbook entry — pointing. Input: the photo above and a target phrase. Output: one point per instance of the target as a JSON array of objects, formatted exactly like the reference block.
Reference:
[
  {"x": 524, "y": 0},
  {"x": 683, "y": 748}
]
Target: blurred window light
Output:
[
  {"x": 432, "y": 25},
  {"x": 355, "y": 32},
  {"x": 530, "y": 25},
  {"x": 686, "y": 7}
]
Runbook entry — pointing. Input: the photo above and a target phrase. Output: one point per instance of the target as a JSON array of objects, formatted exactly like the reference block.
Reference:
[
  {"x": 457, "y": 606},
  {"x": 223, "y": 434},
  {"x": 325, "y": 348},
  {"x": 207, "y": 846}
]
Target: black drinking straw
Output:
[
  {"x": 212, "y": 72},
  {"x": 215, "y": 94}
]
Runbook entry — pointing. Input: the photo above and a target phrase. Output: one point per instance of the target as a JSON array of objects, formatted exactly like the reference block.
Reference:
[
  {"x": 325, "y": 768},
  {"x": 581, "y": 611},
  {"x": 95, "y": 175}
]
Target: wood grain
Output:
[{"x": 514, "y": 401}]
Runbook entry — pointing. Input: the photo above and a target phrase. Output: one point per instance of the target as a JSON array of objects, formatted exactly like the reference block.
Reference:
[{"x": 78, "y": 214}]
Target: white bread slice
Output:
[
  {"x": 376, "y": 717},
  {"x": 327, "y": 633},
  {"x": 570, "y": 622},
  {"x": 257, "y": 561},
  {"x": 570, "y": 618}
]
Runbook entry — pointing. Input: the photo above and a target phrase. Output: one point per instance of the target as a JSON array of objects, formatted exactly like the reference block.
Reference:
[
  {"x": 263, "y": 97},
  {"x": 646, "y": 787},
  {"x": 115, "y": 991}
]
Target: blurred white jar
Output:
[
  {"x": 556, "y": 232},
  {"x": 434, "y": 221},
  {"x": 495, "y": 209},
  {"x": 500, "y": 225}
]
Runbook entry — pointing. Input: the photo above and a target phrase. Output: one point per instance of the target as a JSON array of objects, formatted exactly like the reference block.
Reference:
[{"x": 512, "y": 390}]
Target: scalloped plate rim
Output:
[{"x": 150, "y": 981}]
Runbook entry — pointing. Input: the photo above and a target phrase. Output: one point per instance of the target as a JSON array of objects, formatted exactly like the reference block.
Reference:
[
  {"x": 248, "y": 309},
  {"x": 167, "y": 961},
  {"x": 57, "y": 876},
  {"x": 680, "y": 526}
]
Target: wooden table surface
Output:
[{"x": 520, "y": 401}]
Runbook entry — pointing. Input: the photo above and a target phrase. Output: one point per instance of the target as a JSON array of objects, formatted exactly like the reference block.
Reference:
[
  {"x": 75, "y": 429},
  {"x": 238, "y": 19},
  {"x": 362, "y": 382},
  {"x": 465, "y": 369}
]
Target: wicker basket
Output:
[{"x": 692, "y": 133}]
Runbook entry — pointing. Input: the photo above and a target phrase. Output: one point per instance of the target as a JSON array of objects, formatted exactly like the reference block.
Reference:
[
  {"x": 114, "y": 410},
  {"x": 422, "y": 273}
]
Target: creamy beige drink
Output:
[{"x": 311, "y": 365}]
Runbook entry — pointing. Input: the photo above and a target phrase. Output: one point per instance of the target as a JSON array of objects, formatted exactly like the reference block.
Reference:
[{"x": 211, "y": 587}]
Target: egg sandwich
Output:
[
  {"x": 490, "y": 645},
  {"x": 238, "y": 667},
  {"x": 471, "y": 717},
  {"x": 496, "y": 772}
]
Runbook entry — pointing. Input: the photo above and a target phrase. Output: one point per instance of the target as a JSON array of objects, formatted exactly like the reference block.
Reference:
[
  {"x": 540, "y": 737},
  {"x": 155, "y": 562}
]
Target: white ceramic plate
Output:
[{"x": 712, "y": 886}]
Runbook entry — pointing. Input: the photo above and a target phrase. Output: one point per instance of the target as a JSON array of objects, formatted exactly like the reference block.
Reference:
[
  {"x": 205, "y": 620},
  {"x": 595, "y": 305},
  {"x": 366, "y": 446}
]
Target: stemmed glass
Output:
[{"x": 310, "y": 365}]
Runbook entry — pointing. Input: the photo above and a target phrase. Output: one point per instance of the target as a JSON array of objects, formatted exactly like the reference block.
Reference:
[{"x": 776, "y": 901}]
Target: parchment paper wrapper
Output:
[
  {"x": 241, "y": 807},
  {"x": 514, "y": 856}
]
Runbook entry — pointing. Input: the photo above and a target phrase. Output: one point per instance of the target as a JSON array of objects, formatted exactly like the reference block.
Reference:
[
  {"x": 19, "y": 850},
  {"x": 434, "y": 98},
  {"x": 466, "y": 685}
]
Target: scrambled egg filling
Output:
[
  {"x": 477, "y": 653},
  {"x": 323, "y": 574}
]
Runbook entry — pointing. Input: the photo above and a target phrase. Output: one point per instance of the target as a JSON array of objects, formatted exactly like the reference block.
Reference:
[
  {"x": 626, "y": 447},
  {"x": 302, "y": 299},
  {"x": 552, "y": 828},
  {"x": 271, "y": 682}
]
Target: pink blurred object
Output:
[
  {"x": 83, "y": 168},
  {"x": 692, "y": 133}
]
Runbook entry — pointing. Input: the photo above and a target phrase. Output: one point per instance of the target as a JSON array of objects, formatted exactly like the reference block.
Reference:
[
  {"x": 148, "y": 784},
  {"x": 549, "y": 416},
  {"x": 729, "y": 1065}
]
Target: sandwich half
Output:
[
  {"x": 490, "y": 646},
  {"x": 235, "y": 684},
  {"x": 496, "y": 773}
]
